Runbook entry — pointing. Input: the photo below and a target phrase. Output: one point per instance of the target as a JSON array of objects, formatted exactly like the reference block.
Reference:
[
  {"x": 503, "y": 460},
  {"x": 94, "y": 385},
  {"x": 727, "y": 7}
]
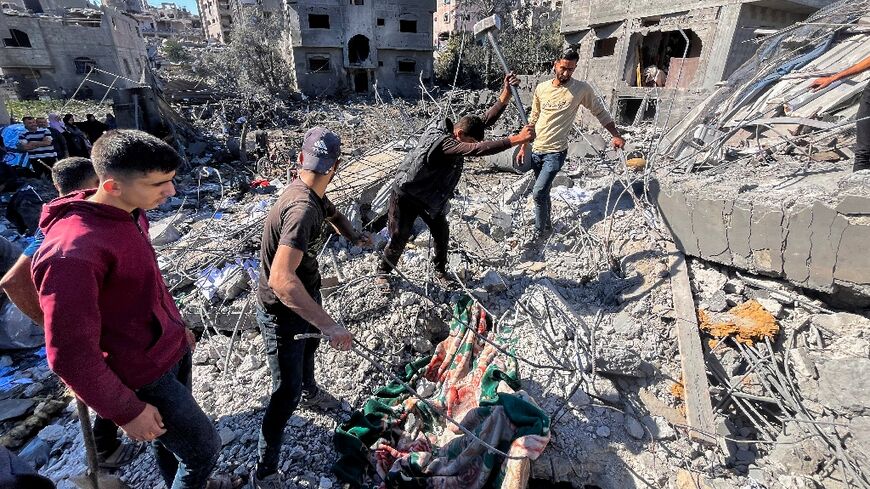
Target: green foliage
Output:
[
  {"x": 252, "y": 66},
  {"x": 174, "y": 51},
  {"x": 21, "y": 108},
  {"x": 529, "y": 40}
]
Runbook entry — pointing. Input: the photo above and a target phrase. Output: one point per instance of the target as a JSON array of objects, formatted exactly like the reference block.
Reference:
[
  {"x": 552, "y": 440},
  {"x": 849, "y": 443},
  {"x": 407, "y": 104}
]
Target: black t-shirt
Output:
[{"x": 296, "y": 220}]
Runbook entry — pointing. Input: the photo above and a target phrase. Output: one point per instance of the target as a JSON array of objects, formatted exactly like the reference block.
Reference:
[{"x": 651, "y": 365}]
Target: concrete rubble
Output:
[{"x": 590, "y": 314}]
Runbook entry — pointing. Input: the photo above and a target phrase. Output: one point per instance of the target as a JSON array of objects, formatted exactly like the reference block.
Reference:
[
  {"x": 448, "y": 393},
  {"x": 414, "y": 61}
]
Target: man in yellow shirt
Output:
[{"x": 554, "y": 108}]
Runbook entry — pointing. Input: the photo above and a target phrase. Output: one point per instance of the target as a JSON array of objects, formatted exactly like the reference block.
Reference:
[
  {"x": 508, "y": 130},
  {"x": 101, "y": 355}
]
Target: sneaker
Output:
[
  {"x": 320, "y": 400},
  {"x": 269, "y": 482},
  {"x": 123, "y": 455}
]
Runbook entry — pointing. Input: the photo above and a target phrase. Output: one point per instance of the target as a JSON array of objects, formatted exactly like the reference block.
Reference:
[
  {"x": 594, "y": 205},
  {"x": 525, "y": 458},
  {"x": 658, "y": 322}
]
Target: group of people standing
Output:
[
  {"x": 128, "y": 355},
  {"x": 47, "y": 140}
]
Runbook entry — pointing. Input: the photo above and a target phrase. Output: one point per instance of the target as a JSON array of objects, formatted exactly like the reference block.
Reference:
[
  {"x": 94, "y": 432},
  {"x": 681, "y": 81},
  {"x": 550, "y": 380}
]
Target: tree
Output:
[
  {"x": 174, "y": 51},
  {"x": 252, "y": 65}
]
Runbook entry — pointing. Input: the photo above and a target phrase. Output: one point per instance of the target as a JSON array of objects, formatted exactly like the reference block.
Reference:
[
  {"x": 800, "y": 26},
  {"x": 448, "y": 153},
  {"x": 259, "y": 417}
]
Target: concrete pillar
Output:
[{"x": 723, "y": 38}]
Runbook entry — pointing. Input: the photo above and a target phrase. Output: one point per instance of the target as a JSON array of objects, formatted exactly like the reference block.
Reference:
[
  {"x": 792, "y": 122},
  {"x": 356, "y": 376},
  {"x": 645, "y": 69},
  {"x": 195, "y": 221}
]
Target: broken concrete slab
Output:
[
  {"x": 15, "y": 408},
  {"x": 844, "y": 384}
]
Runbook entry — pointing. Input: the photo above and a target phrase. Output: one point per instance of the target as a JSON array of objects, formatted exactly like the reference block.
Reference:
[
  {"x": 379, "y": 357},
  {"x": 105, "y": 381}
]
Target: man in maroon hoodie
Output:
[{"x": 112, "y": 330}]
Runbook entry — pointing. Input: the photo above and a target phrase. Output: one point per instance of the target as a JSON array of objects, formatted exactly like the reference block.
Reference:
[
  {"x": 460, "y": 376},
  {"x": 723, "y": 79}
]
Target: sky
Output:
[{"x": 189, "y": 4}]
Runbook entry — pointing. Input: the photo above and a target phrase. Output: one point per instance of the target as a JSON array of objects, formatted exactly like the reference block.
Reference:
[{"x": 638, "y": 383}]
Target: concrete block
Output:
[
  {"x": 823, "y": 255},
  {"x": 853, "y": 205},
  {"x": 797, "y": 245},
  {"x": 678, "y": 217},
  {"x": 853, "y": 264},
  {"x": 709, "y": 227},
  {"x": 766, "y": 239},
  {"x": 738, "y": 235}
]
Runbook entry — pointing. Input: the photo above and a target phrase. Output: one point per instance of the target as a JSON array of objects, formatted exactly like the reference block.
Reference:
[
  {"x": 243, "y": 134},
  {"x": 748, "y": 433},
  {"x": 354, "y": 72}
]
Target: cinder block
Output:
[
  {"x": 738, "y": 235},
  {"x": 708, "y": 225},
  {"x": 797, "y": 245},
  {"x": 823, "y": 255},
  {"x": 765, "y": 239}
]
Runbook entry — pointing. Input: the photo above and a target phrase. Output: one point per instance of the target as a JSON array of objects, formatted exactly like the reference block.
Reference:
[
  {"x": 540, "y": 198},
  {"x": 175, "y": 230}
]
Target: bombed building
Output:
[
  {"x": 682, "y": 49},
  {"x": 360, "y": 46},
  {"x": 58, "y": 50}
]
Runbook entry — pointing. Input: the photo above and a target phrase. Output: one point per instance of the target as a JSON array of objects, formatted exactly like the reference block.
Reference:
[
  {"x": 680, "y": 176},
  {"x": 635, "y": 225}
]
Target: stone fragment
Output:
[
  {"x": 605, "y": 389},
  {"x": 844, "y": 385},
  {"x": 36, "y": 452},
  {"x": 227, "y": 435},
  {"x": 718, "y": 302},
  {"x": 163, "y": 233},
  {"x": 620, "y": 361},
  {"x": 634, "y": 428},
  {"x": 603, "y": 431},
  {"x": 772, "y": 306},
  {"x": 659, "y": 427},
  {"x": 493, "y": 282},
  {"x": 51, "y": 433},
  {"x": 14, "y": 408}
]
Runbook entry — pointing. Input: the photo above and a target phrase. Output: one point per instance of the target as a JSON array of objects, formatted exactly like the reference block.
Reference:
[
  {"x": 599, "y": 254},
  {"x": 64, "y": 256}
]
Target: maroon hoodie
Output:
[{"x": 111, "y": 325}]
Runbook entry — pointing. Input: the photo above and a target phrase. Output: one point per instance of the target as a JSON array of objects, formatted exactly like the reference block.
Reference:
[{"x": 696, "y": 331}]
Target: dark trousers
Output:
[
  {"x": 188, "y": 451},
  {"x": 862, "y": 149},
  {"x": 42, "y": 166},
  {"x": 402, "y": 213},
  {"x": 106, "y": 436},
  {"x": 292, "y": 365},
  {"x": 545, "y": 166}
]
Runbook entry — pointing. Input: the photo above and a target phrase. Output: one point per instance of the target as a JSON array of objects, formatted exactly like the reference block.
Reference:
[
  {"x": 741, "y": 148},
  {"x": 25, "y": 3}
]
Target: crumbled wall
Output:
[{"x": 815, "y": 245}]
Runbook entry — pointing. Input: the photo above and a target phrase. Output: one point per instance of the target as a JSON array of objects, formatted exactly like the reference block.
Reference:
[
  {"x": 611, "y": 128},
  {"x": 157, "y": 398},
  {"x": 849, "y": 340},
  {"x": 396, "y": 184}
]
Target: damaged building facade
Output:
[
  {"x": 337, "y": 46},
  {"x": 59, "y": 51},
  {"x": 684, "y": 49}
]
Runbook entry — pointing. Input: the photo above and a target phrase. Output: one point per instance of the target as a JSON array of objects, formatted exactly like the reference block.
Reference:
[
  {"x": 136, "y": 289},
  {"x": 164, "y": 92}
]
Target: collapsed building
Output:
[
  {"x": 168, "y": 21},
  {"x": 643, "y": 56},
  {"x": 361, "y": 46},
  {"x": 58, "y": 50}
]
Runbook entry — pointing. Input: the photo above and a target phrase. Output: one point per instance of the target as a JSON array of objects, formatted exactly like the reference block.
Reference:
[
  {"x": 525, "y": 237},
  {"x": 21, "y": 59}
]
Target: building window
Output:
[
  {"x": 357, "y": 2},
  {"x": 407, "y": 66},
  {"x": 380, "y": 22},
  {"x": 17, "y": 39},
  {"x": 604, "y": 47},
  {"x": 358, "y": 49},
  {"x": 444, "y": 36},
  {"x": 407, "y": 26},
  {"x": 84, "y": 65},
  {"x": 446, "y": 17},
  {"x": 318, "y": 21},
  {"x": 318, "y": 64}
]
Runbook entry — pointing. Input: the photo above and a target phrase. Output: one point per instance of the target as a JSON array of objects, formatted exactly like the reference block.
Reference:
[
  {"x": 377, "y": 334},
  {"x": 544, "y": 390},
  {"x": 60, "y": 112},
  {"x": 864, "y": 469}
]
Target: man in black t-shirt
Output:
[{"x": 289, "y": 295}]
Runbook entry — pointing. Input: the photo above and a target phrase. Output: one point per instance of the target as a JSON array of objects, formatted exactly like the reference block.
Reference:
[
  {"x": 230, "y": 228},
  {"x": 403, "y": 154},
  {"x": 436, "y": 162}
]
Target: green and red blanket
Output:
[{"x": 410, "y": 446}]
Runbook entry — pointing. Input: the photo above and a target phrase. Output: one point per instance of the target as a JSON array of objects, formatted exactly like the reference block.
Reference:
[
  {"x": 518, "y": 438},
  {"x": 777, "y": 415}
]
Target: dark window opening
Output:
[
  {"x": 650, "y": 21},
  {"x": 444, "y": 36},
  {"x": 17, "y": 39},
  {"x": 358, "y": 49},
  {"x": 318, "y": 64},
  {"x": 318, "y": 21},
  {"x": 380, "y": 63},
  {"x": 84, "y": 65},
  {"x": 380, "y": 22},
  {"x": 407, "y": 26},
  {"x": 357, "y": 2},
  {"x": 628, "y": 110},
  {"x": 604, "y": 47},
  {"x": 407, "y": 66},
  {"x": 661, "y": 62},
  {"x": 34, "y": 6}
]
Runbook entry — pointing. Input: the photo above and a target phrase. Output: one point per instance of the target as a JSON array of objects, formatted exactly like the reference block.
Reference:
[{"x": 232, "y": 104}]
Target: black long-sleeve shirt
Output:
[{"x": 436, "y": 164}]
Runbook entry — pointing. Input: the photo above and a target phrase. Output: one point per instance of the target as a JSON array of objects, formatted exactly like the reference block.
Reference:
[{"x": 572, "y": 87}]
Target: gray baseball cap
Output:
[{"x": 322, "y": 148}]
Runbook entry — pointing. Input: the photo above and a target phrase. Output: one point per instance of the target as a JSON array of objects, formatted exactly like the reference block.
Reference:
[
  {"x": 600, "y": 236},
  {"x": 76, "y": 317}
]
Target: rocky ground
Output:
[{"x": 591, "y": 320}]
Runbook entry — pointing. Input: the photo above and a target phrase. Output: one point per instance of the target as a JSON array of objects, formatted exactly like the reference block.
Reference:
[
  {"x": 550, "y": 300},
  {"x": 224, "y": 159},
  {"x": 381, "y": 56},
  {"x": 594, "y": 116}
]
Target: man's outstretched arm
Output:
[
  {"x": 497, "y": 109},
  {"x": 820, "y": 83}
]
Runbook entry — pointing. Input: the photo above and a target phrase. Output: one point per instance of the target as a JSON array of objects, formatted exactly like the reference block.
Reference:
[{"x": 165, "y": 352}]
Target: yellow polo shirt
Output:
[{"x": 554, "y": 109}]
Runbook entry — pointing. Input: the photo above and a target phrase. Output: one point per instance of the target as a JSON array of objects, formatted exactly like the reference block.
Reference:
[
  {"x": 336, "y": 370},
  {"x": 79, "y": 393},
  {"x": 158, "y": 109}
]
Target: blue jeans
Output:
[
  {"x": 188, "y": 451},
  {"x": 292, "y": 365},
  {"x": 545, "y": 166}
]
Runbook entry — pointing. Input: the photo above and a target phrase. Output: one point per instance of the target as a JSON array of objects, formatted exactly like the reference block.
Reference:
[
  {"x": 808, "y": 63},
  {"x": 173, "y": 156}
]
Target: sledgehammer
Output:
[{"x": 487, "y": 26}]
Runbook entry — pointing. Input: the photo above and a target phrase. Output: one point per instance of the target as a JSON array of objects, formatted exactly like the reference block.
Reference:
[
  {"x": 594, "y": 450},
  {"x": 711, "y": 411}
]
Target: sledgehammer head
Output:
[{"x": 493, "y": 22}]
